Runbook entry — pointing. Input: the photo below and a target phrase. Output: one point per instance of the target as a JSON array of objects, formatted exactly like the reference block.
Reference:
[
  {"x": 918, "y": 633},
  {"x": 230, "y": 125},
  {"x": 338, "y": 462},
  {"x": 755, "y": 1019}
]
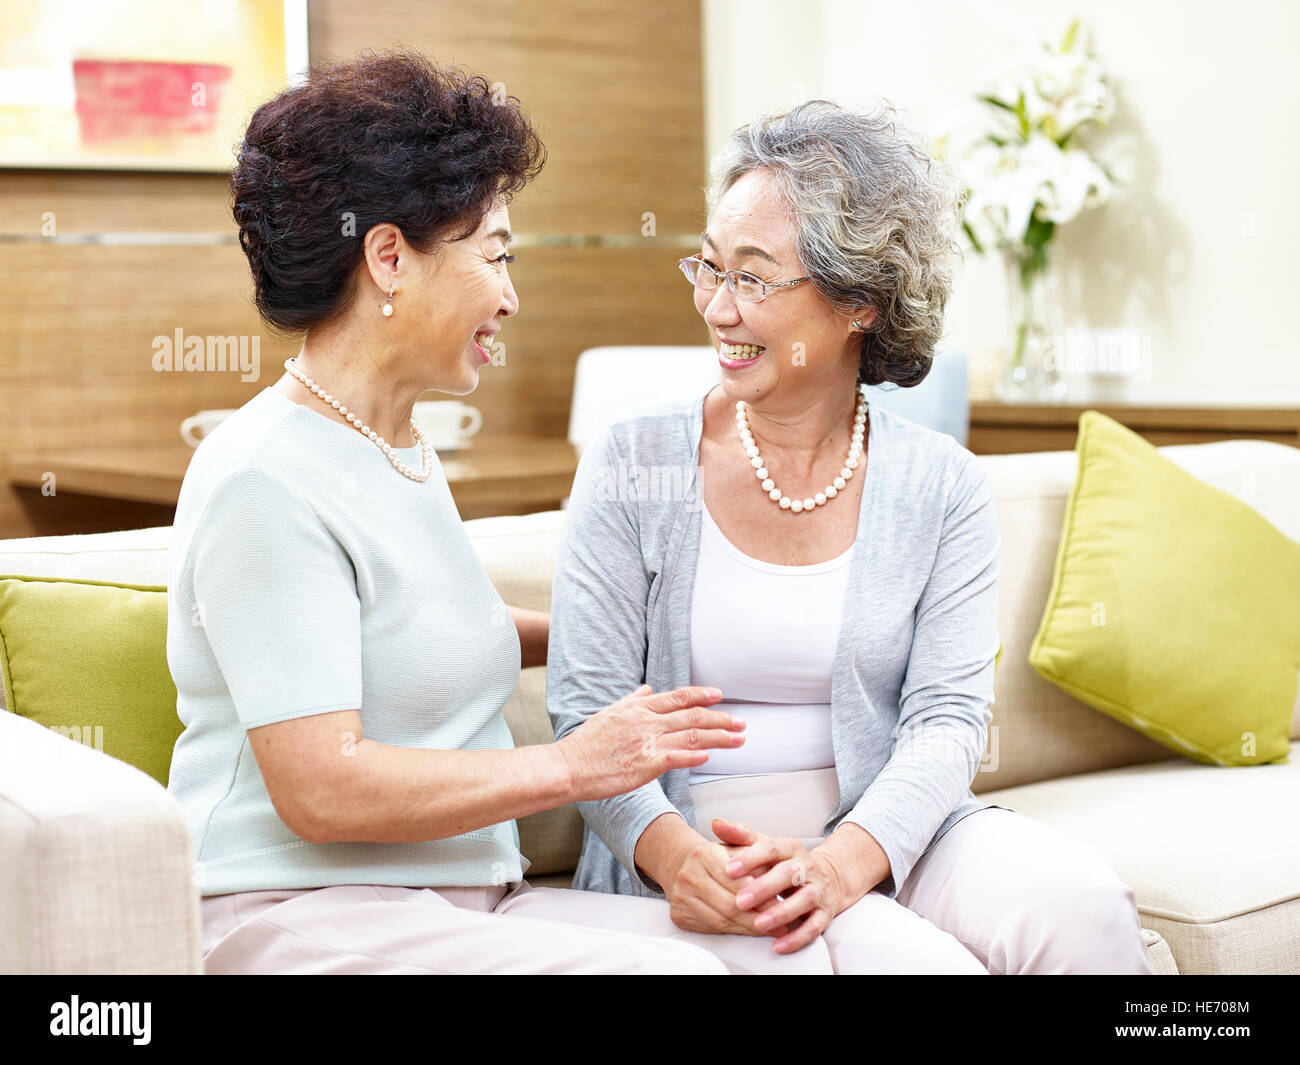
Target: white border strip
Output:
[{"x": 297, "y": 57}]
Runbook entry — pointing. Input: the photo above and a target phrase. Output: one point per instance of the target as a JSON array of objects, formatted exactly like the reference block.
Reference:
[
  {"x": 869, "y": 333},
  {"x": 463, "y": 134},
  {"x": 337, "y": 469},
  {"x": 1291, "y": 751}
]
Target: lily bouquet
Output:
[{"x": 1017, "y": 147}]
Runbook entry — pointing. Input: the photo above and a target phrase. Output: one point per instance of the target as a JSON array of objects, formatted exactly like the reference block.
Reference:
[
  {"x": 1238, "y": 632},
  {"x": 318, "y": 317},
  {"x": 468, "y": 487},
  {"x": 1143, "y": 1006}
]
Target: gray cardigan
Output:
[{"x": 912, "y": 684}]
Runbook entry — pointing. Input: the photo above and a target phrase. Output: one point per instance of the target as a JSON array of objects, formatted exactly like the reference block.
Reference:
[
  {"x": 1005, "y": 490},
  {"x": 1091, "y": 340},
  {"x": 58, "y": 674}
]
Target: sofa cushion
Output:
[
  {"x": 518, "y": 552},
  {"x": 1174, "y": 607},
  {"x": 89, "y": 659},
  {"x": 134, "y": 556},
  {"x": 1212, "y": 853},
  {"x": 1040, "y": 732}
]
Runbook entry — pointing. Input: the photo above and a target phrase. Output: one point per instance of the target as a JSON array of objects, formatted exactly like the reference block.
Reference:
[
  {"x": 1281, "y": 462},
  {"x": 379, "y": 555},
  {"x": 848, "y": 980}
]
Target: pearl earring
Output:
[{"x": 388, "y": 307}]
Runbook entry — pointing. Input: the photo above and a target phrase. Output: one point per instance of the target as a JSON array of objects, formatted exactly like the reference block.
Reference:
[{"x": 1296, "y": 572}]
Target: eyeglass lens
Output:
[{"x": 745, "y": 286}]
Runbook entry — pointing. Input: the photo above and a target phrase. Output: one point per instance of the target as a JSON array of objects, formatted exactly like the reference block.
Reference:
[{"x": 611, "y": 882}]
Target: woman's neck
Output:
[
  {"x": 361, "y": 381},
  {"x": 801, "y": 438}
]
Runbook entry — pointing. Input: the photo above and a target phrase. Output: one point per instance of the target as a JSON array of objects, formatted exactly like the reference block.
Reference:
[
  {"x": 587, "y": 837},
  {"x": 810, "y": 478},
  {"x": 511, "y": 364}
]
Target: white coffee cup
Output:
[
  {"x": 448, "y": 424},
  {"x": 197, "y": 426}
]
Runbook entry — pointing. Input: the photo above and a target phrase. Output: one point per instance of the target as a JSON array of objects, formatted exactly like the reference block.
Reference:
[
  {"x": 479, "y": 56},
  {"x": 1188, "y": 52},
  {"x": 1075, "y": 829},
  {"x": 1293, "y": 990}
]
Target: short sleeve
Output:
[{"x": 275, "y": 595}]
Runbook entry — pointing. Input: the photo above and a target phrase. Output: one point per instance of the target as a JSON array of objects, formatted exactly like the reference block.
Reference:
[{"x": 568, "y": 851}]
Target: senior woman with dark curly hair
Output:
[
  {"x": 832, "y": 568},
  {"x": 340, "y": 656}
]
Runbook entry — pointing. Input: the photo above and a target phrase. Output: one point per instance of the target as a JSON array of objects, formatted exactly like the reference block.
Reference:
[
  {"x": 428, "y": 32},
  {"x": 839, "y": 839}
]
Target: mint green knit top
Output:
[{"x": 308, "y": 576}]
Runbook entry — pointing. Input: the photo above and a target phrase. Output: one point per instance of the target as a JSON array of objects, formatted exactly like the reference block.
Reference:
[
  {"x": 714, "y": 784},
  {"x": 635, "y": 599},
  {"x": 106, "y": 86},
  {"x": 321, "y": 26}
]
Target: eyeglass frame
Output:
[{"x": 729, "y": 277}]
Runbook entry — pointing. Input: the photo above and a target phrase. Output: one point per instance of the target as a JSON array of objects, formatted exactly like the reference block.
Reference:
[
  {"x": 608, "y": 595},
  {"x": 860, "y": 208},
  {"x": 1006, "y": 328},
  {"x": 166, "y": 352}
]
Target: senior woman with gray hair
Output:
[{"x": 832, "y": 568}]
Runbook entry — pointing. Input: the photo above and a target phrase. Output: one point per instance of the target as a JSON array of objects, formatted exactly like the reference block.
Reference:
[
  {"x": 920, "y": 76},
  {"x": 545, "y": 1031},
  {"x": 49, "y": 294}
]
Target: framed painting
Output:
[{"x": 143, "y": 84}]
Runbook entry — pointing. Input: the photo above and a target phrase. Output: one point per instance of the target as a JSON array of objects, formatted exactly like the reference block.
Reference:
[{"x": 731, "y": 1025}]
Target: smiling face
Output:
[
  {"x": 808, "y": 345},
  {"x": 462, "y": 292}
]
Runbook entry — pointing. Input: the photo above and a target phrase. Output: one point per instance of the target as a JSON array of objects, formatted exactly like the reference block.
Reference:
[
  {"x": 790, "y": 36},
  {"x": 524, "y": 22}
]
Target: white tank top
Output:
[{"x": 766, "y": 635}]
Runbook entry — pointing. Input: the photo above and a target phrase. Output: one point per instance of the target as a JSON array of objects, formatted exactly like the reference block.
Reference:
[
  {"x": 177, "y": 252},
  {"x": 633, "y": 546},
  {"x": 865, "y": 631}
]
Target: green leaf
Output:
[
  {"x": 1068, "y": 43},
  {"x": 994, "y": 101},
  {"x": 1037, "y": 236},
  {"x": 1022, "y": 116},
  {"x": 1040, "y": 232},
  {"x": 971, "y": 234}
]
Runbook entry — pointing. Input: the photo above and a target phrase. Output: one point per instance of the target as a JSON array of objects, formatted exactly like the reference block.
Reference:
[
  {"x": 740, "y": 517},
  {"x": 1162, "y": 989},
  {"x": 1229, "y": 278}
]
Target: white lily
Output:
[
  {"x": 1009, "y": 182},
  {"x": 1078, "y": 182},
  {"x": 1020, "y": 161}
]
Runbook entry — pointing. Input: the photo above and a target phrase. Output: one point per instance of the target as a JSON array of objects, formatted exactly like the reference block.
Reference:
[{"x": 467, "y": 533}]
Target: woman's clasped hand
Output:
[{"x": 754, "y": 884}]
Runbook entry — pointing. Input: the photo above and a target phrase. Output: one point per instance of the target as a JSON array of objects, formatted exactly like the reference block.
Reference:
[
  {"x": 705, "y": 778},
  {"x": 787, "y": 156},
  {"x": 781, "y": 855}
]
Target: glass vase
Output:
[{"x": 1031, "y": 370}]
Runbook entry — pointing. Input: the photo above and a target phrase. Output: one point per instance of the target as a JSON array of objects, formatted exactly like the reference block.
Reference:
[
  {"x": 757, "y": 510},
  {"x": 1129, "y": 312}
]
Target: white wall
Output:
[{"x": 1198, "y": 256}]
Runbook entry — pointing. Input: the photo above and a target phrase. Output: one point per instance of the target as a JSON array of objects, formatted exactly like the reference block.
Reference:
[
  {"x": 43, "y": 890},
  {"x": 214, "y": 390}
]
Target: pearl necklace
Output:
[
  {"x": 831, "y": 490},
  {"x": 365, "y": 430}
]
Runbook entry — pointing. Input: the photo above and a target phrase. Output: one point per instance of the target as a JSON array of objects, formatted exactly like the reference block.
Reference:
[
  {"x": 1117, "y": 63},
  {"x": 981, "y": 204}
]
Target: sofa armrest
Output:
[{"x": 96, "y": 862}]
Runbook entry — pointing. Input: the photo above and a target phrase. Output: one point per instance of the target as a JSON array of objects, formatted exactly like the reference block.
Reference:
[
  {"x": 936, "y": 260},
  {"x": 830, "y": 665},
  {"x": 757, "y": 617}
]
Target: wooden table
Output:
[{"x": 494, "y": 475}]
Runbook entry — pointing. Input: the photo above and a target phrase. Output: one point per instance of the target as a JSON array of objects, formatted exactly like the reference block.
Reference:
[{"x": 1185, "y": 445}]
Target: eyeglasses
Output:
[{"x": 743, "y": 286}]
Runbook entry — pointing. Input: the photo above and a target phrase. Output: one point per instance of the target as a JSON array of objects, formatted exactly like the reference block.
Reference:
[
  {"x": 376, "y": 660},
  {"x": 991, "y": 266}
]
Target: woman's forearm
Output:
[
  {"x": 328, "y": 785},
  {"x": 382, "y": 793},
  {"x": 859, "y": 861},
  {"x": 663, "y": 846},
  {"x": 534, "y": 634}
]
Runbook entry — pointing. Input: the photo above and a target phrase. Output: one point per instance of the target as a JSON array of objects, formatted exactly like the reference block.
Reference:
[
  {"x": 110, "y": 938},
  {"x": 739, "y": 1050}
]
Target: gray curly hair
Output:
[{"x": 877, "y": 219}]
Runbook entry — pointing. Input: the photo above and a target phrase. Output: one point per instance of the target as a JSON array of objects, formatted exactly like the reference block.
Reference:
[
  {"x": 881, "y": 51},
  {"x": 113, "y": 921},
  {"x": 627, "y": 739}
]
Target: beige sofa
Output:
[{"x": 95, "y": 862}]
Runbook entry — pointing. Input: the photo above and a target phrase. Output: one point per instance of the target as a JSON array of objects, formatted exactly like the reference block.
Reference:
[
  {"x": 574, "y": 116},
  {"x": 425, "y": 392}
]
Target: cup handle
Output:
[
  {"x": 187, "y": 430},
  {"x": 475, "y": 421}
]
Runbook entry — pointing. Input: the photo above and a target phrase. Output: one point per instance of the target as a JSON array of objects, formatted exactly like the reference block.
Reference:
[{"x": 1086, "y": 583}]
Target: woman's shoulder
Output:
[
  {"x": 238, "y": 442},
  {"x": 255, "y": 450},
  {"x": 657, "y": 431},
  {"x": 915, "y": 456}
]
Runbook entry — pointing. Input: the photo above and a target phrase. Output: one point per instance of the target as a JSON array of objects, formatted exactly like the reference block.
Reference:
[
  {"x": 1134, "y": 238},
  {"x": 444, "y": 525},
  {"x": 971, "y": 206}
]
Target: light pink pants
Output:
[{"x": 999, "y": 893}]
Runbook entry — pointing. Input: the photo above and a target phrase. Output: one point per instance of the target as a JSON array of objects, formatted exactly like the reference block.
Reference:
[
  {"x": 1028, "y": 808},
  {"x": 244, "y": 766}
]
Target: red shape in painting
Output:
[{"x": 134, "y": 99}]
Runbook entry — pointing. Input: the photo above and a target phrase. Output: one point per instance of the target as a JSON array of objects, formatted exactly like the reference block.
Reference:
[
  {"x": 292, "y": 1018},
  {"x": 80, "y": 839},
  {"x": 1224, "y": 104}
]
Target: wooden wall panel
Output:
[
  {"x": 112, "y": 201},
  {"x": 615, "y": 88},
  {"x": 616, "y": 92},
  {"x": 79, "y": 351}
]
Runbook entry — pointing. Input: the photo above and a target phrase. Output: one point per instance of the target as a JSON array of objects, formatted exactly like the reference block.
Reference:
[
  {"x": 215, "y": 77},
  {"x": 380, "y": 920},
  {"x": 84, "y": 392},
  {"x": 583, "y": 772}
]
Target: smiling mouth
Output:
[{"x": 741, "y": 352}]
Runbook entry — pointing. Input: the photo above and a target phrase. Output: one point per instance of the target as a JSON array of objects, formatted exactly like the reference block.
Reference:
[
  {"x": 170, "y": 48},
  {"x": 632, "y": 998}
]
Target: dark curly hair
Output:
[{"x": 389, "y": 137}]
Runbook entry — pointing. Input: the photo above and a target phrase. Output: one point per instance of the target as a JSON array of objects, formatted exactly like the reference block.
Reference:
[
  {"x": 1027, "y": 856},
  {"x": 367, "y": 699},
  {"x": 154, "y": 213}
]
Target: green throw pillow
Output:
[
  {"x": 89, "y": 659},
  {"x": 1175, "y": 607}
]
